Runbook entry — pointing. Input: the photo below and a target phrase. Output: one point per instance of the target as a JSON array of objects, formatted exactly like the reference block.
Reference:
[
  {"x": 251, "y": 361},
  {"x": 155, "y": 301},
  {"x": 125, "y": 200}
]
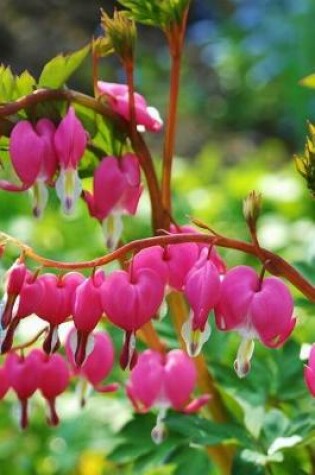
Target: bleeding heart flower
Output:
[
  {"x": 202, "y": 290},
  {"x": 57, "y": 303},
  {"x": 23, "y": 375},
  {"x": 30, "y": 296},
  {"x": 97, "y": 365},
  {"x": 87, "y": 312},
  {"x": 53, "y": 380},
  {"x": 309, "y": 372},
  {"x": 171, "y": 263},
  {"x": 256, "y": 308},
  {"x": 117, "y": 96},
  {"x": 131, "y": 299},
  {"x": 34, "y": 160},
  {"x": 214, "y": 255},
  {"x": 14, "y": 282},
  {"x": 164, "y": 381},
  {"x": 116, "y": 191},
  {"x": 70, "y": 142}
]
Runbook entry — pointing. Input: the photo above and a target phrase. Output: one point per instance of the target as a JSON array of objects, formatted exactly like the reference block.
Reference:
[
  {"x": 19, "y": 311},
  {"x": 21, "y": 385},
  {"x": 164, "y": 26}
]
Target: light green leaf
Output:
[
  {"x": 24, "y": 84},
  {"x": 58, "y": 70},
  {"x": 7, "y": 84}
]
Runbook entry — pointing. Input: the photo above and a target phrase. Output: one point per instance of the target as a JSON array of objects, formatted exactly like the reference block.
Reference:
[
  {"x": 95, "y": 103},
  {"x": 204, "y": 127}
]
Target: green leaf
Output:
[
  {"x": 190, "y": 460},
  {"x": 136, "y": 446},
  {"x": 275, "y": 425},
  {"x": 58, "y": 70},
  {"x": 204, "y": 432},
  {"x": 159, "y": 13},
  {"x": 24, "y": 84},
  {"x": 7, "y": 84},
  {"x": 252, "y": 462}
]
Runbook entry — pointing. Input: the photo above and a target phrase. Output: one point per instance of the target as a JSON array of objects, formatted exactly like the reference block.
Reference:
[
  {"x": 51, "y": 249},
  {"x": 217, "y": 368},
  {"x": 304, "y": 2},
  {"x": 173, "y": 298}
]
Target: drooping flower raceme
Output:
[
  {"x": 116, "y": 191},
  {"x": 256, "y": 308},
  {"x": 34, "y": 160},
  {"x": 117, "y": 95},
  {"x": 202, "y": 290},
  {"x": 130, "y": 299},
  {"x": 70, "y": 141},
  {"x": 164, "y": 381}
]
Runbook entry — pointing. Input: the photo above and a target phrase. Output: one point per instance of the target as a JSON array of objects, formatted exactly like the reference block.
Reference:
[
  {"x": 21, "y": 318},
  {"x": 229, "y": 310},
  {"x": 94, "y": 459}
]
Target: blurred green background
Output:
[{"x": 242, "y": 115}]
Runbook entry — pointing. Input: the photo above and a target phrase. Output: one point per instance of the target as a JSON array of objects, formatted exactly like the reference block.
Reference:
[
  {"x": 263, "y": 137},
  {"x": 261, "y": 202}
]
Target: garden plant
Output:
[{"x": 156, "y": 320}]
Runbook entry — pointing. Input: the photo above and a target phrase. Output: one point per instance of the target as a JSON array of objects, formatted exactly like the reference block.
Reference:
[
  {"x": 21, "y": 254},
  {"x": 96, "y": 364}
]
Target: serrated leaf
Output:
[
  {"x": 159, "y": 13},
  {"x": 58, "y": 70},
  {"x": 24, "y": 84},
  {"x": 308, "y": 81},
  {"x": 7, "y": 84}
]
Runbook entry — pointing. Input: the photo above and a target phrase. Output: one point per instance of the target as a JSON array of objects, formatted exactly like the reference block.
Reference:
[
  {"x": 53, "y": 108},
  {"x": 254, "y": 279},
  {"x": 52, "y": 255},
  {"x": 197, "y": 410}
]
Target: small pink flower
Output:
[
  {"x": 164, "y": 381},
  {"x": 14, "y": 282},
  {"x": 151, "y": 258},
  {"x": 87, "y": 312},
  {"x": 23, "y": 375},
  {"x": 171, "y": 263},
  {"x": 34, "y": 160},
  {"x": 202, "y": 290},
  {"x": 70, "y": 142},
  {"x": 131, "y": 299},
  {"x": 116, "y": 191},
  {"x": 29, "y": 298},
  {"x": 309, "y": 372},
  {"x": 98, "y": 364},
  {"x": 56, "y": 304},
  {"x": 214, "y": 255},
  {"x": 53, "y": 380},
  {"x": 117, "y": 96},
  {"x": 255, "y": 308}
]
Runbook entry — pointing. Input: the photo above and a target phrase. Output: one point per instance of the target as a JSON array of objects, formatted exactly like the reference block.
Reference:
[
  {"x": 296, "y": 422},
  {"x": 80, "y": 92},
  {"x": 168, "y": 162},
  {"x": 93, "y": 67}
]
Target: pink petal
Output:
[
  {"x": 26, "y": 150},
  {"x": 180, "y": 378},
  {"x": 237, "y": 291},
  {"x": 70, "y": 140}
]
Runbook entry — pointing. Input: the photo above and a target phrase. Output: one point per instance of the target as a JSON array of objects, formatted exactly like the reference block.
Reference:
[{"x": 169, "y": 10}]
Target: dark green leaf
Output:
[
  {"x": 204, "y": 432},
  {"x": 191, "y": 460},
  {"x": 242, "y": 466}
]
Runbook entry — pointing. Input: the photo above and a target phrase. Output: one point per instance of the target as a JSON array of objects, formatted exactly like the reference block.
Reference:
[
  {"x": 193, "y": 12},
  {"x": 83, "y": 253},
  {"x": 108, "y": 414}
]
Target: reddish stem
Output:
[
  {"x": 175, "y": 36},
  {"x": 274, "y": 264}
]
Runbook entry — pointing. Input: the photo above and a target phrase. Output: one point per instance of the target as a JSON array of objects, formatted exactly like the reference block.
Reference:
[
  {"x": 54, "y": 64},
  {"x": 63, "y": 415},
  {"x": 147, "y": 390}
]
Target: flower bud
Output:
[{"x": 251, "y": 209}]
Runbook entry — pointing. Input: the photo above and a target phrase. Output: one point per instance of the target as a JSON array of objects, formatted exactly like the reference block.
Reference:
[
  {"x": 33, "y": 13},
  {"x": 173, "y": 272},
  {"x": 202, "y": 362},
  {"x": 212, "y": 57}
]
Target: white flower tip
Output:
[{"x": 195, "y": 339}]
